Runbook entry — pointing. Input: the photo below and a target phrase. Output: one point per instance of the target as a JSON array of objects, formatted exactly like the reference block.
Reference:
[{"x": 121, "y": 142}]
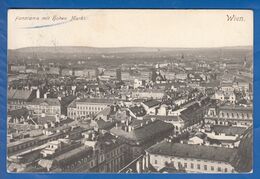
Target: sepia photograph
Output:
[{"x": 130, "y": 91}]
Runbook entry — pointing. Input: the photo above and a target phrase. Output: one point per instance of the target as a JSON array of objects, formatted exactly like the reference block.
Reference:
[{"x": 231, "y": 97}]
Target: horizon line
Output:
[{"x": 131, "y": 47}]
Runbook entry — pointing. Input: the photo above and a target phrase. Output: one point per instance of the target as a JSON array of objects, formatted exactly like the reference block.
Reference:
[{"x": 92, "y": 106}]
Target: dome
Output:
[{"x": 243, "y": 160}]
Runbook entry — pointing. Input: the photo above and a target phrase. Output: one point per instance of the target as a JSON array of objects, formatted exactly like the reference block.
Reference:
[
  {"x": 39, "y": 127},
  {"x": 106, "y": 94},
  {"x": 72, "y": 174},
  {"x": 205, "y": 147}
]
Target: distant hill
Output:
[
  {"x": 122, "y": 55},
  {"x": 95, "y": 50}
]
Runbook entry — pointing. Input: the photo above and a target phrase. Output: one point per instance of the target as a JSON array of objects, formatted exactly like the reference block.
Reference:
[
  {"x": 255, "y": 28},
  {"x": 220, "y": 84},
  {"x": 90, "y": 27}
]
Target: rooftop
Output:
[
  {"x": 193, "y": 151},
  {"x": 229, "y": 130},
  {"x": 96, "y": 100},
  {"x": 163, "y": 118},
  {"x": 143, "y": 133},
  {"x": 151, "y": 103},
  {"x": 46, "y": 101},
  {"x": 19, "y": 94},
  {"x": 19, "y": 112}
]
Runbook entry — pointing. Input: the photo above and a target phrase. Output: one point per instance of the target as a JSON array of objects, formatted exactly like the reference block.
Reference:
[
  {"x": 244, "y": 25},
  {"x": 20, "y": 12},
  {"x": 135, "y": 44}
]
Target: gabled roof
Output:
[
  {"x": 104, "y": 112},
  {"x": 19, "y": 94},
  {"x": 19, "y": 112}
]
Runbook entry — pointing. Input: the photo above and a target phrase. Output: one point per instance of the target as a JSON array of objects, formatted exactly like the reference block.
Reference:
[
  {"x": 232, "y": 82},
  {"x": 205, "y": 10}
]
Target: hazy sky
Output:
[{"x": 123, "y": 28}]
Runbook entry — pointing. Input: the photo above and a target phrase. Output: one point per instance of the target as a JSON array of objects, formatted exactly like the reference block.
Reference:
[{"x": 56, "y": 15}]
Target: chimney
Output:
[
  {"x": 38, "y": 93},
  {"x": 43, "y": 115},
  {"x": 57, "y": 119},
  {"x": 129, "y": 128}
]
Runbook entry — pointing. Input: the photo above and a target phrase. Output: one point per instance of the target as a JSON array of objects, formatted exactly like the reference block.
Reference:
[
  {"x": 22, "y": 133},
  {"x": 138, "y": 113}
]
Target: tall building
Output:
[
  {"x": 118, "y": 74},
  {"x": 138, "y": 135}
]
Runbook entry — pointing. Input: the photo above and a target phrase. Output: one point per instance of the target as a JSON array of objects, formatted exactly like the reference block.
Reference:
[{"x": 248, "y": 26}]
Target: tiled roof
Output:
[
  {"x": 138, "y": 110},
  {"x": 19, "y": 112},
  {"x": 145, "y": 132},
  {"x": 72, "y": 154},
  {"x": 229, "y": 130},
  {"x": 243, "y": 162},
  {"x": 67, "y": 100},
  {"x": 105, "y": 111},
  {"x": 96, "y": 100},
  {"x": 19, "y": 94},
  {"x": 193, "y": 151},
  {"x": 73, "y": 104},
  {"x": 151, "y": 103},
  {"x": 211, "y": 84},
  {"x": 163, "y": 118},
  {"x": 235, "y": 108},
  {"x": 49, "y": 101},
  {"x": 104, "y": 124}
]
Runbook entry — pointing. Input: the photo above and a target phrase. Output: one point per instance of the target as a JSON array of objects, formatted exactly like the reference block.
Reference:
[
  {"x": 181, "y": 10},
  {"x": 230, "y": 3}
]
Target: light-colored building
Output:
[
  {"x": 66, "y": 72},
  {"x": 18, "y": 68},
  {"x": 225, "y": 96},
  {"x": 88, "y": 107},
  {"x": 19, "y": 98},
  {"x": 88, "y": 73},
  {"x": 229, "y": 115},
  {"x": 191, "y": 158},
  {"x": 242, "y": 86},
  {"x": 147, "y": 94},
  {"x": 45, "y": 106},
  {"x": 181, "y": 76}
]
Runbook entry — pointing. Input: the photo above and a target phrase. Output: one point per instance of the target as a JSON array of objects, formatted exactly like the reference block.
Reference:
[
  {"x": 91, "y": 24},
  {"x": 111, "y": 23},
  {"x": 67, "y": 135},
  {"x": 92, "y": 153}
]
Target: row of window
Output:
[
  {"x": 90, "y": 108},
  {"x": 197, "y": 166},
  {"x": 81, "y": 113},
  {"x": 115, "y": 152},
  {"x": 232, "y": 115}
]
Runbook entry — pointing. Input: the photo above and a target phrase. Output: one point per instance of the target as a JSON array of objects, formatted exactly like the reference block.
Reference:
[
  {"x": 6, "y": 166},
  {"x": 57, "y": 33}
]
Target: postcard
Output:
[{"x": 130, "y": 91}]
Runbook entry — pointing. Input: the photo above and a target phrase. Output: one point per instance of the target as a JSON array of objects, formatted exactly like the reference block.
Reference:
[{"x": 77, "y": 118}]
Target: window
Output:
[
  {"x": 198, "y": 166},
  {"x": 226, "y": 170},
  {"x": 205, "y": 167},
  {"x": 212, "y": 168},
  {"x": 179, "y": 164},
  {"x": 185, "y": 165},
  {"x": 219, "y": 169},
  {"x": 192, "y": 165},
  {"x": 155, "y": 161}
]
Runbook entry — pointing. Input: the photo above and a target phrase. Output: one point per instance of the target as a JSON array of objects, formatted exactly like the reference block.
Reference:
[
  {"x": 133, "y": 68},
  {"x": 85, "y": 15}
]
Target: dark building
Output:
[{"x": 118, "y": 74}]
